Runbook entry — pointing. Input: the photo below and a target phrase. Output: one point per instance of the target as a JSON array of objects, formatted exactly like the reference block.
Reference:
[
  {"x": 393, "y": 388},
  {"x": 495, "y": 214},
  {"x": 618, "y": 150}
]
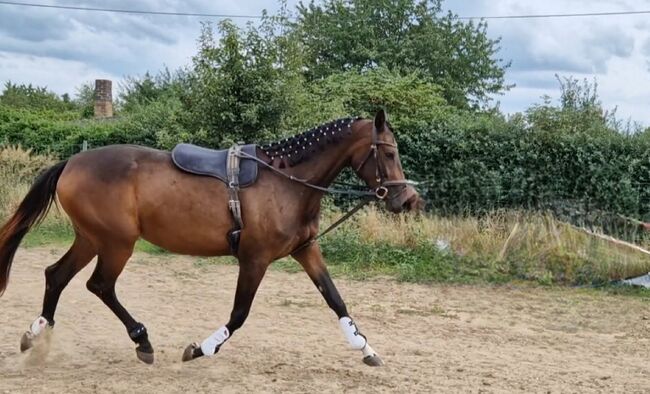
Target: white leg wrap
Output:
[
  {"x": 209, "y": 345},
  {"x": 38, "y": 325},
  {"x": 351, "y": 332}
]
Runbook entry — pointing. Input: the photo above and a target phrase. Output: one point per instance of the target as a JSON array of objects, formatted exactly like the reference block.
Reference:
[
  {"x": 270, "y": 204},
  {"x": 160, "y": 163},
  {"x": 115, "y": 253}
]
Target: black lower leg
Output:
[
  {"x": 57, "y": 277},
  {"x": 250, "y": 276},
  {"x": 243, "y": 302},
  {"x": 331, "y": 295},
  {"x": 312, "y": 261},
  {"x": 247, "y": 283},
  {"x": 238, "y": 315},
  {"x": 137, "y": 331}
]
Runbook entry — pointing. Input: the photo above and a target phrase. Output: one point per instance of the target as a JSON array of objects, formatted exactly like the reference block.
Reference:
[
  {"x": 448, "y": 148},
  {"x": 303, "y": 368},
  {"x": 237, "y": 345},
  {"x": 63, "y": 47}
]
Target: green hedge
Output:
[
  {"x": 62, "y": 134},
  {"x": 471, "y": 162},
  {"x": 490, "y": 164}
]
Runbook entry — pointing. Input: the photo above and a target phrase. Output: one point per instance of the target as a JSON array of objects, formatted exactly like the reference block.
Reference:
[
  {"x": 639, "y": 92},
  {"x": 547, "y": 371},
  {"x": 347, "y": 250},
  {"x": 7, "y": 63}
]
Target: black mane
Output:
[{"x": 303, "y": 146}]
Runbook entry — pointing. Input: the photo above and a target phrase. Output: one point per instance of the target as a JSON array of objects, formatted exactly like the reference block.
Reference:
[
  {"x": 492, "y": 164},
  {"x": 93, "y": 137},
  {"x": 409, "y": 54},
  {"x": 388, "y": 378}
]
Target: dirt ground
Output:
[{"x": 432, "y": 338}]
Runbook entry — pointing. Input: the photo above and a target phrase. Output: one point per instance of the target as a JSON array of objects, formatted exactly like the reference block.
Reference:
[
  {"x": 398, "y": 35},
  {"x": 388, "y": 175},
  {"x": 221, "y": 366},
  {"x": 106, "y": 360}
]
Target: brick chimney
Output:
[{"x": 103, "y": 98}]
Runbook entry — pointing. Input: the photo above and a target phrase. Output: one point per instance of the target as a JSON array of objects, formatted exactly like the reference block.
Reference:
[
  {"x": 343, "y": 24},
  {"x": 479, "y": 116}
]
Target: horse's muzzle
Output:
[{"x": 405, "y": 199}]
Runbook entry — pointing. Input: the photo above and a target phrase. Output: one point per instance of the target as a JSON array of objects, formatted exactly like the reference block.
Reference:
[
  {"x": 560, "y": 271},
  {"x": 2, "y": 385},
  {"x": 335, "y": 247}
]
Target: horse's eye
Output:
[{"x": 390, "y": 155}]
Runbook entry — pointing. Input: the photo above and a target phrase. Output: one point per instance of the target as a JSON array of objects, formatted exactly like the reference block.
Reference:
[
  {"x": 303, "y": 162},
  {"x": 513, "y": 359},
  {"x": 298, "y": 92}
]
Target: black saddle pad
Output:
[{"x": 203, "y": 161}]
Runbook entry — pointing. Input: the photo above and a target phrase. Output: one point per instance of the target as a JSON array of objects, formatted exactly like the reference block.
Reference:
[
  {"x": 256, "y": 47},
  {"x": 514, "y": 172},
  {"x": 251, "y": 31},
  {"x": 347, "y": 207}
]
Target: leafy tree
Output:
[
  {"x": 33, "y": 97},
  {"x": 85, "y": 99},
  {"x": 579, "y": 111},
  {"x": 136, "y": 92},
  {"x": 409, "y": 99},
  {"x": 245, "y": 83},
  {"x": 405, "y": 36}
]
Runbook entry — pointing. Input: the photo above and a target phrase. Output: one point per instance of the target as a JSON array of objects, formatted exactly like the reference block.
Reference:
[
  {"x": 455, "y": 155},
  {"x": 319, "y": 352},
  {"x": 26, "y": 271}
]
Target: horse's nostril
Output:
[{"x": 414, "y": 203}]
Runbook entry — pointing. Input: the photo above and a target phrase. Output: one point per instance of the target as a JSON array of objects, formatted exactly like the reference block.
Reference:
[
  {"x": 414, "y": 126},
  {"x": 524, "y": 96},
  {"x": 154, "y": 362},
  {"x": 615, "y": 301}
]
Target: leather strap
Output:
[
  {"x": 334, "y": 225},
  {"x": 357, "y": 193},
  {"x": 234, "y": 204},
  {"x": 233, "y": 184}
]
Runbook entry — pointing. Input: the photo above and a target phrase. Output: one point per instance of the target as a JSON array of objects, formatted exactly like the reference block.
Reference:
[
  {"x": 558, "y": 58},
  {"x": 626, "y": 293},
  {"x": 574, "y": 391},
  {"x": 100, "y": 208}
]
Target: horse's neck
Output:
[{"x": 323, "y": 169}]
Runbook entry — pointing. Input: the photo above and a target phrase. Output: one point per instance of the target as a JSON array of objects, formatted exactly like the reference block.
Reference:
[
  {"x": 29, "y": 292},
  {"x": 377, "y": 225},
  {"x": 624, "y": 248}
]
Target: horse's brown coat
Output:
[{"x": 117, "y": 194}]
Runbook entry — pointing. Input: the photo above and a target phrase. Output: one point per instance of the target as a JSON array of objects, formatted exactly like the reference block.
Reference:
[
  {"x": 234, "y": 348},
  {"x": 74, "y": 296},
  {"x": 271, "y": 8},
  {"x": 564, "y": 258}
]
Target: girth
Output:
[{"x": 232, "y": 171}]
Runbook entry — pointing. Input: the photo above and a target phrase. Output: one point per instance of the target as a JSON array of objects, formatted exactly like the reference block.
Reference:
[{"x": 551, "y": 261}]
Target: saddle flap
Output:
[{"x": 209, "y": 162}]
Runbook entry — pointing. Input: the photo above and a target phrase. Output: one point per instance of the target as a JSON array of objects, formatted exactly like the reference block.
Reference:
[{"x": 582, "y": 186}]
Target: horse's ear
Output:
[{"x": 380, "y": 120}]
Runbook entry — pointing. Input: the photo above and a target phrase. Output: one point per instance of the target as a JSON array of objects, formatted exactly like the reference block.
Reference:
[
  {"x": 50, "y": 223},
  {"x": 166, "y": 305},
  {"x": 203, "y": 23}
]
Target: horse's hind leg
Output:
[
  {"x": 57, "y": 277},
  {"x": 110, "y": 264}
]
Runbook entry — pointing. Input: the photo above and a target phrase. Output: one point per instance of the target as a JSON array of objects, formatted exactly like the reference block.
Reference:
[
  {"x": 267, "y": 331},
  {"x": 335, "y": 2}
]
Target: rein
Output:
[
  {"x": 334, "y": 225},
  {"x": 356, "y": 193}
]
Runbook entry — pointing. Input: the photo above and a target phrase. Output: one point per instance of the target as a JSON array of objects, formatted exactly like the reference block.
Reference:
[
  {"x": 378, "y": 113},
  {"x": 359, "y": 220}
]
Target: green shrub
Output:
[
  {"x": 35, "y": 98},
  {"x": 484, "y": 164}
]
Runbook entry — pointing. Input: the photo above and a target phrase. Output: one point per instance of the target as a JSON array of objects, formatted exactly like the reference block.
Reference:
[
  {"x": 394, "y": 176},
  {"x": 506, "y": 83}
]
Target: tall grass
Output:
[
  {"x": 18, "y": 169},
  {"x": 497, "y": 247}
]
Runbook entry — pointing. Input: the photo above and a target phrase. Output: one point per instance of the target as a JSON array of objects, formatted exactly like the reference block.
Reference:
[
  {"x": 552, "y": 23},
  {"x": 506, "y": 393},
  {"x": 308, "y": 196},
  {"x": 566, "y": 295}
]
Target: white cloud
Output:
[
  {"x": 62, "y": 49},
  {"x": 61, "y": 76},
  {"x": 614, "y": 49},
  {"x": 626, "y": 87},
  {"x": 37, "y": 42}
]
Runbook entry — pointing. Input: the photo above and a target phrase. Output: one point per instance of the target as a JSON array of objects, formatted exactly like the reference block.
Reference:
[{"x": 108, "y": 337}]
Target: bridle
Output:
[{"x": 381, "y": 192}]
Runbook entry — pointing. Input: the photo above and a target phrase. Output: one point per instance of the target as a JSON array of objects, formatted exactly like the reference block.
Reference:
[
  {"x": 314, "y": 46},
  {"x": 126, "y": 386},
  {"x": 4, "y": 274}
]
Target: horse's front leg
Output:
[
  {"x": 251, "y": 273},
  {"x": 311, "y": 260}
]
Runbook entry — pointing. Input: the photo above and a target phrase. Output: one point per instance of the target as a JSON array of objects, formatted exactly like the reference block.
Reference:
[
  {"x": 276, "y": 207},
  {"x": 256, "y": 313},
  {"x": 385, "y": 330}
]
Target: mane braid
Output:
[{"x": 301, "y": 147}]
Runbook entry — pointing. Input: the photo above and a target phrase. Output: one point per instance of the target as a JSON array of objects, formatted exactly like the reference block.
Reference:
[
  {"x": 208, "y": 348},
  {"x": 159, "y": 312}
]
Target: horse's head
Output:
[{"x": 378, "y": 164}]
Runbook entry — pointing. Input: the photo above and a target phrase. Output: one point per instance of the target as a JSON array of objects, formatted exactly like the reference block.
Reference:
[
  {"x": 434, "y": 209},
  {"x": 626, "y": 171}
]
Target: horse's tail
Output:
[{"x": 30, "y": 212}]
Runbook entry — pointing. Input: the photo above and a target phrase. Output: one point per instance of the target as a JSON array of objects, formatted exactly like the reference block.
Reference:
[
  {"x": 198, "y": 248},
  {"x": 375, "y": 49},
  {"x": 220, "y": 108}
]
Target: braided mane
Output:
[{"x": 301, "y": 147}]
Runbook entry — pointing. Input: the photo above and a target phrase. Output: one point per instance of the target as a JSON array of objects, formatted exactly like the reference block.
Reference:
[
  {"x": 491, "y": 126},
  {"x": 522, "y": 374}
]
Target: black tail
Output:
[{"x": 31, "y": 211}]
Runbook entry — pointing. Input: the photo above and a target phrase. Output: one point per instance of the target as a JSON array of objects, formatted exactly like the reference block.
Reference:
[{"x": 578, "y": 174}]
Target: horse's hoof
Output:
[
  {"x": 373, "y": 361},
  {"x": 145, "y": 357},
  {"x": 26, "y": 341},
  {"x": 190, "y": 350}
]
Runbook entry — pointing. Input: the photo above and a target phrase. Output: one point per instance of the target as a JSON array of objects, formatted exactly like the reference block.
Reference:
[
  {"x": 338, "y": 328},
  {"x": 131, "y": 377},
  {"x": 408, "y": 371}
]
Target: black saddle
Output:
[{"x": 202, "y": 161}]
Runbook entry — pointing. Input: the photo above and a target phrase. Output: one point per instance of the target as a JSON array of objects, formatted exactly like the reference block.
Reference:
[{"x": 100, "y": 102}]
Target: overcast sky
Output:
[{"x": 62, "y": 49}]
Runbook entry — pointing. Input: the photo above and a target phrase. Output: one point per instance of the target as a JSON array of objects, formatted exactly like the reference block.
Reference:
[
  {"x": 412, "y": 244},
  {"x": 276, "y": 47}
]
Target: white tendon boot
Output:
[
  {"x": 358, "y": 341},
  {"x": 212, "y": 343},
  {"x": 38, "y": 326}
]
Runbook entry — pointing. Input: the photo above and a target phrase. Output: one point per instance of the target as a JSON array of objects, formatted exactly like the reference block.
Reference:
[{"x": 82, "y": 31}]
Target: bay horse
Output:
[{"x": 117, "y": 194}]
